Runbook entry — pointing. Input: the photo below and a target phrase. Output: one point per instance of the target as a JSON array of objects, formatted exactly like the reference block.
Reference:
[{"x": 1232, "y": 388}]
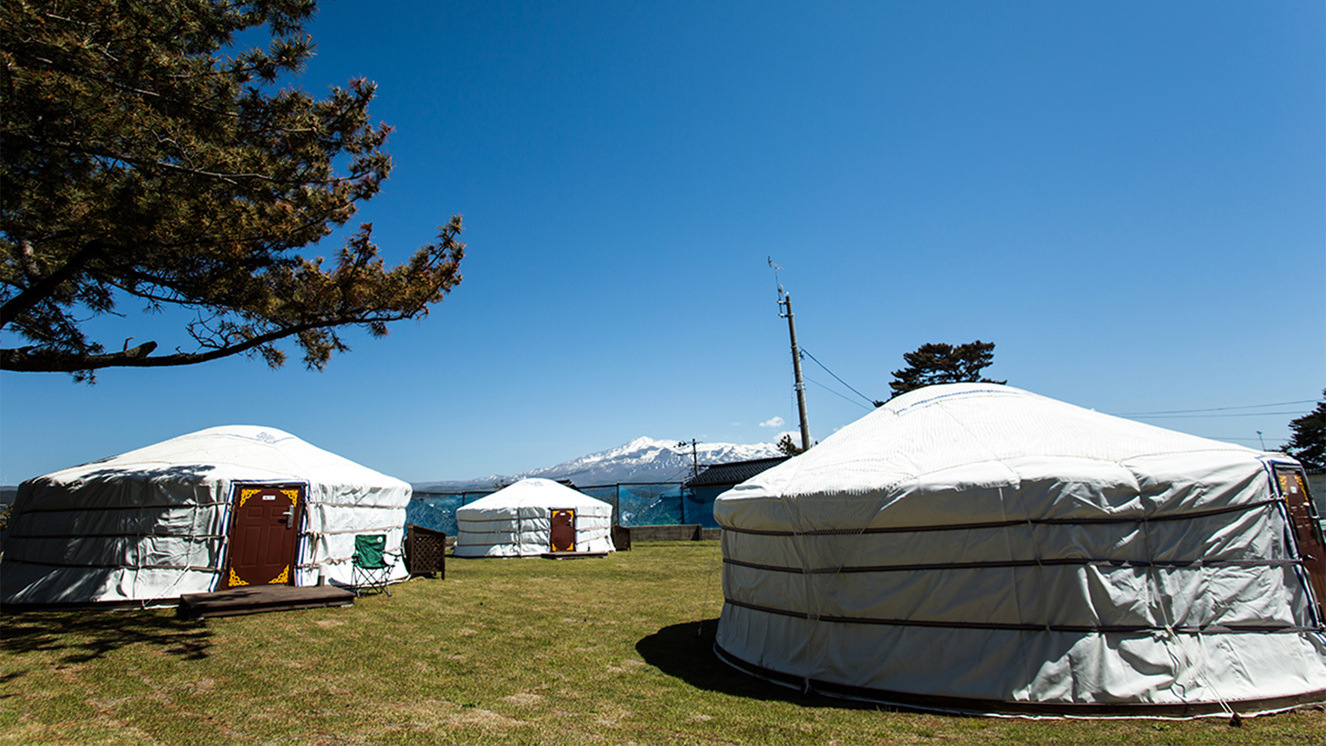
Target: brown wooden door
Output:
[
  {"x": 1307, "y": 531},
  {"x": 563, "y": 531},
  {"x": 264, "y": 535}
]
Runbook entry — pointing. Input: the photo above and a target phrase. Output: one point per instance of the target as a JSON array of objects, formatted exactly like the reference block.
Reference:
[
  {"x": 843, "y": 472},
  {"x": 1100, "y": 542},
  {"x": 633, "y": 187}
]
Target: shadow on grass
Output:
[
  {"x": 686, "y": 651},
  {"x": 85, "y": 635}
]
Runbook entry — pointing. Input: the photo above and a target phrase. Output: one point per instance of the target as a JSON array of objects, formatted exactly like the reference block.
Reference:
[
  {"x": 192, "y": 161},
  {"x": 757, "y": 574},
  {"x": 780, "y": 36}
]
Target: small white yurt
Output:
[
  {"x": 533, "y": 517},
  {"x": 981, "y": 549},
  {"x": 220, "y": 508}
]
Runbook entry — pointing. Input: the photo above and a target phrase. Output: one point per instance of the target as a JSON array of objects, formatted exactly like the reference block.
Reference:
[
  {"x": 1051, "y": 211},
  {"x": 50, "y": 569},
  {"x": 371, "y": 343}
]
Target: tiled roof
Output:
[{"x": 733, "y": 473}]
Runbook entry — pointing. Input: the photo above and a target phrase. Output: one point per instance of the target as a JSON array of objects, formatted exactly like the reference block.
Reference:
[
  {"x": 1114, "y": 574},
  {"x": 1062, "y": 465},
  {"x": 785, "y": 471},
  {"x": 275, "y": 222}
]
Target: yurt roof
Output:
[
  {"x": 234, "y": 452},
  {"x": 534, "y": 493},
  {"x": 973, "y": 436}
]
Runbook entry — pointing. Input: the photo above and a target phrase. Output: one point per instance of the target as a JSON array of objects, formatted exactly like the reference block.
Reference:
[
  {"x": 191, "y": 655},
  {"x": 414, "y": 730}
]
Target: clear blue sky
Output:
[{"x": 1129, "y": 199}]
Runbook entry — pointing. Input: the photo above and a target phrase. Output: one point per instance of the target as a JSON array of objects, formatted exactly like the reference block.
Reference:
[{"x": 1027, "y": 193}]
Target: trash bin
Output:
[
  {"x": 425, "y": 551},
  {"x": 621, "y": 538}
]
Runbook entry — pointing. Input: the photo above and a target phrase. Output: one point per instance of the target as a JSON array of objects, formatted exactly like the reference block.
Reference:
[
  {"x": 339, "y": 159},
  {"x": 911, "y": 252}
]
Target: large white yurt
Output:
[
  {"x": 220, "y": 508},
  {"x": 533, "y": 517},
  {"x": 977, "y": 548}
]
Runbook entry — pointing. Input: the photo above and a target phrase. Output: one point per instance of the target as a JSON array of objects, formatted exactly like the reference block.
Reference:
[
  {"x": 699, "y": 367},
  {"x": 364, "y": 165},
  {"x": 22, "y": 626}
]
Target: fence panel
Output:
[
  {"x": 700, "y": 505},
  {"x": 633, "y": 504},
  {"x": 434, "y": 512},
  {"x": 608, "y": 494},
  {"x": 437, "y": 510},
  {"x": 657, "y": 504}
]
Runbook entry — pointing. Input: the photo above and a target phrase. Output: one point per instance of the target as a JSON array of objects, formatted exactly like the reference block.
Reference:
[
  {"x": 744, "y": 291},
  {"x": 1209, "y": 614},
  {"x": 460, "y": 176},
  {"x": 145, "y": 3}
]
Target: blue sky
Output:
[{"x": 1129, "y": 199}]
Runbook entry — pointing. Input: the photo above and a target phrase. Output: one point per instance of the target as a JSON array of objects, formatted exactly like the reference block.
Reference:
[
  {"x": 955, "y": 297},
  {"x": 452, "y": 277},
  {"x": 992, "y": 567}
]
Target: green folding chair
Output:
[{"x": 372, "y": 563}]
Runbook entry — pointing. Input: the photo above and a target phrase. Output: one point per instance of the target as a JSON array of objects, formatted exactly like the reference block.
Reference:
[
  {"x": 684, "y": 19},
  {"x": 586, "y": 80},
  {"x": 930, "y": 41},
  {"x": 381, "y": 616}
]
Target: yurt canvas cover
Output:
[
  {"x": 982, "y": 549},
  {"x": 519, "y": 521},
  {"x": 168, "y": 519}
]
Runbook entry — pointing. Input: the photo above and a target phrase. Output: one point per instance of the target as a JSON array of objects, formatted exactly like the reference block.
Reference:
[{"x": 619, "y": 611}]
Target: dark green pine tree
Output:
[
  {"x": 936, "y": 362},
  {"x": 1308, "y": 443},
  {"x": 144, "y": 164}
]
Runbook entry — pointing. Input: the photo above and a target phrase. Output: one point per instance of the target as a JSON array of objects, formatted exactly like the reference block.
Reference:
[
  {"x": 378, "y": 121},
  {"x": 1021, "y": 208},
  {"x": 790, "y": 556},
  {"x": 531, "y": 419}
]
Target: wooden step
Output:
[
  {"x": 256, "y": 599},
  {"x": 572, "y": 555}
]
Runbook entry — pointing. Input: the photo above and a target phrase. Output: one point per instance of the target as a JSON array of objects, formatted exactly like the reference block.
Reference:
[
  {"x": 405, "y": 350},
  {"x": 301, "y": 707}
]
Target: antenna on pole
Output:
[
  {"x": 695, "y": 458},
  {"x": 775, "y": 269},
  {"x": 785, "y": 311}
]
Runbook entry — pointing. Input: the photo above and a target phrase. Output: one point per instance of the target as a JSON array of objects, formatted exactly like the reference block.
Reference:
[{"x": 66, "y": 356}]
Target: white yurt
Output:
[
  {"x": 977, "y": 548},
  {"x": 219, "y": 508},
  {"x": 533, "y": 517}
]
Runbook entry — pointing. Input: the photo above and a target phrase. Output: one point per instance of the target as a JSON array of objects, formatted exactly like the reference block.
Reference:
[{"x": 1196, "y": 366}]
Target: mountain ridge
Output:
[{"x": 642, "y": 459}]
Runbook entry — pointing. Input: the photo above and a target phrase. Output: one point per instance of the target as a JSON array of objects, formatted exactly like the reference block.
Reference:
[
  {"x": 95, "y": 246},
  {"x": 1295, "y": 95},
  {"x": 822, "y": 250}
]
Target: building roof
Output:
[{"x": 734, "y": 472}]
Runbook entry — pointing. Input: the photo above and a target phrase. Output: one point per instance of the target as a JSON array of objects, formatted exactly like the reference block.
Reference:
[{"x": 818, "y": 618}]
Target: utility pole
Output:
[
  {"x": 785, "y": 311},
  {"x": 695, "y": 472},
  {"x": 695, "y": 458}
]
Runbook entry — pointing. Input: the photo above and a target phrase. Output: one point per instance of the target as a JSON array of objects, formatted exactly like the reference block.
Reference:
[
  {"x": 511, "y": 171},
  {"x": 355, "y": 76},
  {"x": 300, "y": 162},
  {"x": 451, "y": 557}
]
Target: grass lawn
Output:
[{"x": 612, "y": 650}]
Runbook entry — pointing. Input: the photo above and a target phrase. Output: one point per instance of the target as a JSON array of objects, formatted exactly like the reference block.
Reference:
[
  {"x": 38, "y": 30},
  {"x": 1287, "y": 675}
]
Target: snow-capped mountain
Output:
[{"x": 641, "y": 460}]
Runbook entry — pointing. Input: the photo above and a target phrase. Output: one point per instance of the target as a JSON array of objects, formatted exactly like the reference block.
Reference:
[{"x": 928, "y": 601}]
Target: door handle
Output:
[{"x": 289, "y": 516}]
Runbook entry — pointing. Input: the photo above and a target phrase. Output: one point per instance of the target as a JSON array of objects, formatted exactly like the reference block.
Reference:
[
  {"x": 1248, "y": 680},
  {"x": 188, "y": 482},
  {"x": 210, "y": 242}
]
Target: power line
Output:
[
  {"x": 1159, "y": 414},
  {"x": 839, "y": 395},
  {"x": 1221, "y": 409},
  {"x": 835, "y": 375},
  {"x": 1206, "y": 416}
]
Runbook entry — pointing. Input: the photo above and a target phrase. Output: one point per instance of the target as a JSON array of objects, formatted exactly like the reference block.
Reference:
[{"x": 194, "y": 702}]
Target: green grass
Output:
[{"x": 613, "y": 650}]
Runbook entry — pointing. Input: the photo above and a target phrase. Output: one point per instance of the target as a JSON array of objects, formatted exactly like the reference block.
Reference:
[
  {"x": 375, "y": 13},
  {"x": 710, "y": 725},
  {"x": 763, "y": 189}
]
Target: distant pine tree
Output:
[
  {"x": 1309, "y": 442},
  {"x": 936, "y": 362},
  {"x": 788, "y": 446}
]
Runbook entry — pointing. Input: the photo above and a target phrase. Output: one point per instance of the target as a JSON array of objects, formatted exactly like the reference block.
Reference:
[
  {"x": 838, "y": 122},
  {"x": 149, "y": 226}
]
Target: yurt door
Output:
[
  {"x": 1307, "y": 531},
  {"x": 264, "y": 535},
  {"x": 563, "y": 531}
]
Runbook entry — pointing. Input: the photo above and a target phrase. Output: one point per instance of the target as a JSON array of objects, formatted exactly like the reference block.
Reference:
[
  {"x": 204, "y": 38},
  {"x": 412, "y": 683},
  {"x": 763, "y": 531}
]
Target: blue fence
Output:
[{"x": 633, "y": 504}]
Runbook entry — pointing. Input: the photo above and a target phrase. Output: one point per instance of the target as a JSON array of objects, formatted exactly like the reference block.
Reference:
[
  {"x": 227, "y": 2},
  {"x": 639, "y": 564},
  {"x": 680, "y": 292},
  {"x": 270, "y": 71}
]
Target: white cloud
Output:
[{"x": 775, "y": 422}]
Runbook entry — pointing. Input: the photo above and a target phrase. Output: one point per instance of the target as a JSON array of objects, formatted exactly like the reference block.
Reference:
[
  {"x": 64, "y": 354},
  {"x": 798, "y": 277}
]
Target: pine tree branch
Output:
[
  {"x": 36, "y": 359},
  {"x": 43, "y": 288}
]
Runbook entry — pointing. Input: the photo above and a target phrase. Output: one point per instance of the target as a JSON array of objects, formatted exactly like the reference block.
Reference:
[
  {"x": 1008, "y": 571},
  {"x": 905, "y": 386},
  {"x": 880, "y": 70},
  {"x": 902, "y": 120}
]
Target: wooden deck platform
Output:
[
  {"x": 572, "y": 555},
  {"x": 257, "y": 599}
]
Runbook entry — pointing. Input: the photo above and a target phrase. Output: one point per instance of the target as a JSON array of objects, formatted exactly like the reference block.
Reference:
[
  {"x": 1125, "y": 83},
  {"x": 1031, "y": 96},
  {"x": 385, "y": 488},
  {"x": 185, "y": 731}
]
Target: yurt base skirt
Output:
[{"x": 998, "y": 708}]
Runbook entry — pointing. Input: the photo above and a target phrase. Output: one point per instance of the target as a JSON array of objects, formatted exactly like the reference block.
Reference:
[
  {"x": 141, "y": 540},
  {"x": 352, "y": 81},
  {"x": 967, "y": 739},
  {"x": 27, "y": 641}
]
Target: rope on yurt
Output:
[
  {"x": 813, "y": 608},
  {"x": 192, "y": 537},
  {"x": 165, "y": 593},
  {"x": 1039, "y": 585},
  {"x": 1157, "y": 602},
  {"x": 138, "y": 556}
]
